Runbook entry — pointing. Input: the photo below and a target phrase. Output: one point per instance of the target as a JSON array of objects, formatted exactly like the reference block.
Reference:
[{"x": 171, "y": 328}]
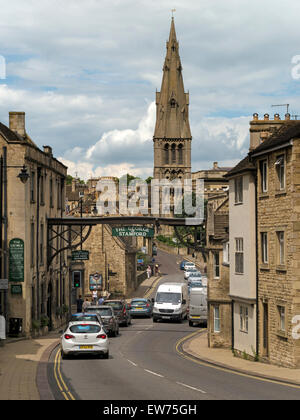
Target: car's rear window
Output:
[
  {"x": 115, "y": 305},
  {"x": 102, "y": 311},
  {"x": 87, "y": 317},
  {"x": 85, "y": 329},
  {"x": 138, "y": 302}
]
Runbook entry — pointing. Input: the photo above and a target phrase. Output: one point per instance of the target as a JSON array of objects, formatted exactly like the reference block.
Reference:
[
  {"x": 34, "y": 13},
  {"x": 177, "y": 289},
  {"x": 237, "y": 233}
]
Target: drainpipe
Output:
[
  {"x": 232, "y": 324},
  {"x": 39, "y": 298}
]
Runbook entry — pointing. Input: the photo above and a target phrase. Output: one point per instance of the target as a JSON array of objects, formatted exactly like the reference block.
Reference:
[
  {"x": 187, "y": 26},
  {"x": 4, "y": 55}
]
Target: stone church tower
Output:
[{"x": 172, "y": 137}]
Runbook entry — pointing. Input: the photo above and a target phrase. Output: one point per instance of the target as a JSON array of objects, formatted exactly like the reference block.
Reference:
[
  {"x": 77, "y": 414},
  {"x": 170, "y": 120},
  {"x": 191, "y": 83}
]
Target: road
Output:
[{"x": 144, "y": 364}]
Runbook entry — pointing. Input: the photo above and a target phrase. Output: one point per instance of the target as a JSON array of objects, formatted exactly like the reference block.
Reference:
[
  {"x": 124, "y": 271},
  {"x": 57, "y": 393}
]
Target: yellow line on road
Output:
[
  {"x": 148, "y": 293},
  {"x": 227, "y": 370},
  {"x": 59, "y": 379}
]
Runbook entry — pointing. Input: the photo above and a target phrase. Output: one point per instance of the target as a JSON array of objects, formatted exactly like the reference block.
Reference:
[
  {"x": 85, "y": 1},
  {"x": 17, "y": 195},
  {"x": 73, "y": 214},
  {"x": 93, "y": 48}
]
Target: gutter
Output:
[{"x": 272, "y": 149}]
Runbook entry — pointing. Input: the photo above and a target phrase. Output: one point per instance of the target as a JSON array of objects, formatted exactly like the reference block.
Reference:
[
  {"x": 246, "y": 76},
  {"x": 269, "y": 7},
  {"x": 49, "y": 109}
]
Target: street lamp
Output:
[{"x": 23, "y": 175}]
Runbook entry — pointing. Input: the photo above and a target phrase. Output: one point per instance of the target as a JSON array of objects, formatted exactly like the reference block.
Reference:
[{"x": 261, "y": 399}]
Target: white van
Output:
[
  {"x": 197, "y": 306},
  {"x": 171, "y": 302}
]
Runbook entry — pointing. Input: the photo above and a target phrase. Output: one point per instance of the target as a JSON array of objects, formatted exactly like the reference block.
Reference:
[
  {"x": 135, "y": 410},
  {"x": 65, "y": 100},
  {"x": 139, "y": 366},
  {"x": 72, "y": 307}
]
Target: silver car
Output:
[
  {"x": 108, "y": 317},
  {"x": 84, "y": 337}
]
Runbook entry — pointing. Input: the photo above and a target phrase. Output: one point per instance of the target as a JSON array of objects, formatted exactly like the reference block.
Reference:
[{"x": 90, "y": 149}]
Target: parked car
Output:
[
  {"x": 141, "y": 306},
  {"x": 195, "y": 274},
  {"x": 188, "y": 265},
  {"x": 86, "y": 337},
  {"x": 182, "y": 264},
  {"x": 189, "y": 271},
  {"x": 194, "y": 284},
  {"x": 110, "y": 320},
  {"x": 83, "y": 316},
  {"x": 197, "y": 306},
  {"x": 121, "y": 310}
]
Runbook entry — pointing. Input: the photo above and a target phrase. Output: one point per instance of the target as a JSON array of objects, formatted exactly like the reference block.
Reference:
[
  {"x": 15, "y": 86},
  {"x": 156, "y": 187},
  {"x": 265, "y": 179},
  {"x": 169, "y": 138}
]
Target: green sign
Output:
[
  {"x": 16, "y": 260},
  {"x": 80, "y": 255},
  {"x": 133, "y": 231},
  {"x": 16, "y": 289}
]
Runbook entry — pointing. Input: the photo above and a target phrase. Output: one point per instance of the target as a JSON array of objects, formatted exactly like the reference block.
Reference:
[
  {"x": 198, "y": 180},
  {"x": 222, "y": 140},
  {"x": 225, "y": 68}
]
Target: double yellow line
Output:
[
  {"x": 148, "y": 293},
  {"x": 59, "y": 379}
]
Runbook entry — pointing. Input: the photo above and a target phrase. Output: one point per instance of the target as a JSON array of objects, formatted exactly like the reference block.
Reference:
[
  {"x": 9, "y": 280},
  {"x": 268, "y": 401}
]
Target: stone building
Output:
[
  {"x": 278, "y": 243},
  {"x": 36, "y": 292},
  {"x": 242, "y": 245},
  {"x": 219, "y": 302},
  {"x": 172, "y": 136},
  {"x": 113, "y": 259},
  {"x": 214, "y": 180}
]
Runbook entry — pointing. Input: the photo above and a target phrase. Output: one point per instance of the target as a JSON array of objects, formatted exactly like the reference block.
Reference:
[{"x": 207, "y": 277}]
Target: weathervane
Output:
[{"x": 173, "y": 10}]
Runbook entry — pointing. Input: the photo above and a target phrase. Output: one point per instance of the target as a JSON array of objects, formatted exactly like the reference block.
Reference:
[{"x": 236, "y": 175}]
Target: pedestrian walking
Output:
[
  {"x": 101, "y": 300},
  {"x": 149, "y": 271},
  {"x": 79, "y": 304},
  {"x": 156, "y": 269},
  {"x": 95, "y": 297},
  {"x": 85, "y": 304}
]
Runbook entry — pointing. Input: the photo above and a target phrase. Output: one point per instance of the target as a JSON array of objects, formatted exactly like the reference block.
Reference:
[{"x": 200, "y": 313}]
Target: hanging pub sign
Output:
[
  {"x": 16, "y": 260},
  {"x": 96, "y": 281},
  {"x": 80, "y": 255}
]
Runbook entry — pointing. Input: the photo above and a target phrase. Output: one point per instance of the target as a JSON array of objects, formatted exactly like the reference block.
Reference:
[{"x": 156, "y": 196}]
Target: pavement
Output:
[
  {"x": 197, "y": 346},
  {"x": 23, "y": 362}
]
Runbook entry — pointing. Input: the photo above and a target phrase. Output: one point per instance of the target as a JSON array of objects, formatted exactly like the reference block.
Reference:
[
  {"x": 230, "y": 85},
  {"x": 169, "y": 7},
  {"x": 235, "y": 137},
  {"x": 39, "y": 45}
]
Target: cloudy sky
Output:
[{"x": 86, "y": 72}]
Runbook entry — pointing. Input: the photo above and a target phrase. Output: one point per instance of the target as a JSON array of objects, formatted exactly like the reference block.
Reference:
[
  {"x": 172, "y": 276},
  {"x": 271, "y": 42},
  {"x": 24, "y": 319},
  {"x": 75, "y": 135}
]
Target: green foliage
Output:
[
  {"x": 36, "y": 324},
  {"x": 44, "y": 321}
]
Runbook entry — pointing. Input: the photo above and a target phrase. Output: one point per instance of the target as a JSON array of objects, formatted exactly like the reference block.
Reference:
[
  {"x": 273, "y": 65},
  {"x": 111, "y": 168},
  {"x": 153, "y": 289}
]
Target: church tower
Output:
[{"x": 172, "y": 136}]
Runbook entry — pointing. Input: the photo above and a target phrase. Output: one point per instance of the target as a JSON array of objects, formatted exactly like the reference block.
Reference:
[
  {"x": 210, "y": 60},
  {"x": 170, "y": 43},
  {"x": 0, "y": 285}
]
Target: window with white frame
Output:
[
  {"x": 281, "y": 248},
  {"x": 226, "y": 257},
  {"x": 239, "y": 255},
  {"x": 217, "y": 321},
  {"x": 244, "y": 318},
  {"x": 238, "y": 190},
  {"x": 264, "y": 175},
  {"x": 282, "y": 317},
  {"x": 264, "y": 247},
  {"x": 280, "y": 170}
]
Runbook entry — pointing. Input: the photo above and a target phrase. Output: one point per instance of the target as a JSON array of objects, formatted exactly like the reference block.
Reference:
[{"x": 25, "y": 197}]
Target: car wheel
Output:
[
  {"x": 155, "y": 319},
  {"x": 106, "y": 355},
  {"x": 63, "y": 355},
  {"x": 191, "y": 324}
]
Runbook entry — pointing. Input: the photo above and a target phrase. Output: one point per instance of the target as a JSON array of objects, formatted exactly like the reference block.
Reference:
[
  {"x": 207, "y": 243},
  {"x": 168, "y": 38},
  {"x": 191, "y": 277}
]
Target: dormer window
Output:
[{"x": 173, "y": 103}]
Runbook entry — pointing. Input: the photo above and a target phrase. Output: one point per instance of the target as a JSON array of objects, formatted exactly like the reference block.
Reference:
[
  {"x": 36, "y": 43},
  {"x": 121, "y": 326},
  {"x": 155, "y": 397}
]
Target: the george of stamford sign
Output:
[
  {"x": 16, "y": 260},
  {"x": 133, "y": 231}
]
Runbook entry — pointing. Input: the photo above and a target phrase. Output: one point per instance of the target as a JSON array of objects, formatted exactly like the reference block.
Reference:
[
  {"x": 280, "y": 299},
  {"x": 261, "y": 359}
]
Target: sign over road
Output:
[{"x": 143, "y": 231}]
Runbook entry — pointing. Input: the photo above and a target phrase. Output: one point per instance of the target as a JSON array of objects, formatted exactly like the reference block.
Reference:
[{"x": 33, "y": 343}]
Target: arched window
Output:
[
  {"x": 180, "y": 154},
  {"x": 173, "y": 153},
  {"x": 173, "y": 103},
  {"x": 166, "y": 152}
]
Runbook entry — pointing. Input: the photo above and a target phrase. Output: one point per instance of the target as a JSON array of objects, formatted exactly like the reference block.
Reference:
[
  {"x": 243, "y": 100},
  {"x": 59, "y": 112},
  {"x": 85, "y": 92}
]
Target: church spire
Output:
[
  {"x": 172, "y": 134},
  {"x": 172, "y": 102}
]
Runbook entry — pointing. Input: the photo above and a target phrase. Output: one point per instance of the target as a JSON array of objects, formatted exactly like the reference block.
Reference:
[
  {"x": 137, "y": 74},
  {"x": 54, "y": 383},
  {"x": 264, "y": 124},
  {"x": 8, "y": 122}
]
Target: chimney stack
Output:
[
  {"x": 17, "y": 123},
  {"x": 215, "y": 165},
  {"x": 48, "y": 150}
]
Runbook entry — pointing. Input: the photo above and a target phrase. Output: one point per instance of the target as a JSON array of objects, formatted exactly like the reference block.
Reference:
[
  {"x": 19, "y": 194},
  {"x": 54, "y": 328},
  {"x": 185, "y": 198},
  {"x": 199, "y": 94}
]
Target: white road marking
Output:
[
  {"x": 153, "y": 373},
  {"x": 134, "y": 364},
  {"x": 191, "y": 387}
]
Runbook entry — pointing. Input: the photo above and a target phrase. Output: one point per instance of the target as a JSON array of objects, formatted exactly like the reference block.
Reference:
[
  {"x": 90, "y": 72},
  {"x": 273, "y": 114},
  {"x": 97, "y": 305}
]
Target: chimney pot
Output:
[
  {"x": 276, "y": 117},
  {"x": 17, "y": 123},
  {"x": 287, "y": 116},
  {"x": 255, "y": 116},
  {"x": 266, "y": 117},
  {"x": 215, "y": 165}
]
